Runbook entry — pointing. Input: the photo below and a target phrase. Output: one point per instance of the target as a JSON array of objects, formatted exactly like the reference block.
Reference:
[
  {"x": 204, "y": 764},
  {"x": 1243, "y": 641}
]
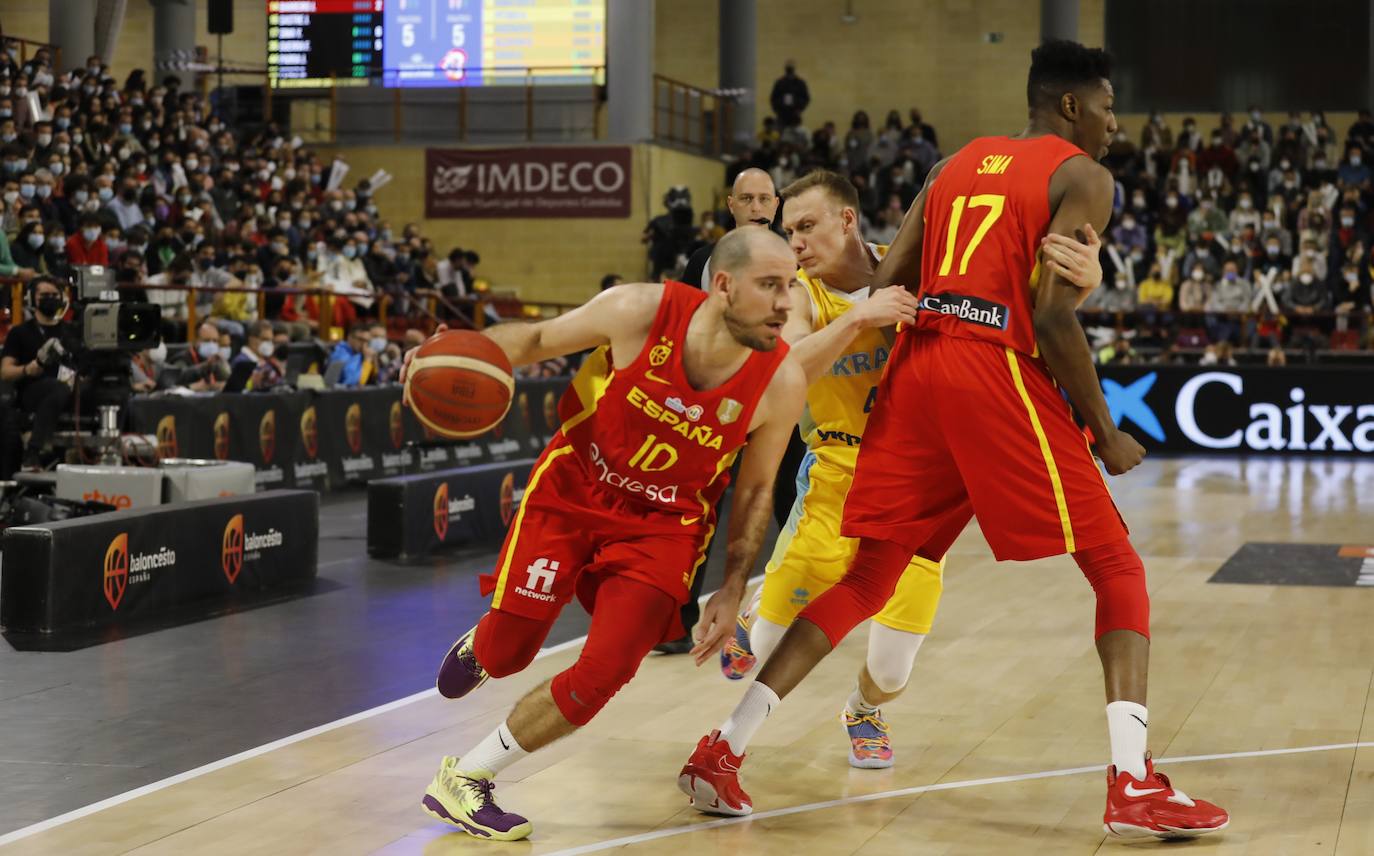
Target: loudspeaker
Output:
[{"x": 221, "y": 17}]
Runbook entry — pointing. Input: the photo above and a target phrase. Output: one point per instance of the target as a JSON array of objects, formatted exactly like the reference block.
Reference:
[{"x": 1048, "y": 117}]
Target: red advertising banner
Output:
[{"x": 542, "y": 181}]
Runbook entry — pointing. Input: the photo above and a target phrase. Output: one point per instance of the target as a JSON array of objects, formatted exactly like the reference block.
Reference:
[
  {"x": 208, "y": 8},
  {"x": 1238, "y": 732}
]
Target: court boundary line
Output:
[
  {"x": 644, "y": 837},
  {"x": 248, "y": 754}
]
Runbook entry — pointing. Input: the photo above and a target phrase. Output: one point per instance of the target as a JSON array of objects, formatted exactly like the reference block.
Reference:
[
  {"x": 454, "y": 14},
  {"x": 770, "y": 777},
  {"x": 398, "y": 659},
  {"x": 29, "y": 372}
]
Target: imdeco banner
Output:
[{"x": 535, "y": 181}]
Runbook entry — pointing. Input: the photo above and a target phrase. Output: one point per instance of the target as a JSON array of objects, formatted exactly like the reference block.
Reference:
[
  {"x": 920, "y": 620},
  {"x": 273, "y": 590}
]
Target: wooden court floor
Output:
[{"x": 1003, "y": 711}]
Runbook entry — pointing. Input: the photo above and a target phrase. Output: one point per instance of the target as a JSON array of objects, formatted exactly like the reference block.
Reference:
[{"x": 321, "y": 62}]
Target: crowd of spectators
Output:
[
  {"x": 147, "y": 178},
  {"x": 1234, "y": 235}
]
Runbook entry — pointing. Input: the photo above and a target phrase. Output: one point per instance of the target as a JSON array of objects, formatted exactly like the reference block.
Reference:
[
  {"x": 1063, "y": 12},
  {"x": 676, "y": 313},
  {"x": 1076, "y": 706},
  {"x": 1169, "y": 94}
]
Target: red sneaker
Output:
[
  {"x": 1155, "y": 807},
  {"x": 711, "y": 778}
]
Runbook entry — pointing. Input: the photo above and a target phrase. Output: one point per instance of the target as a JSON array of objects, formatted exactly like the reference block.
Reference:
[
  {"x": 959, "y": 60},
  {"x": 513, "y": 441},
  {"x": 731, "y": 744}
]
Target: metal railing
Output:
[
  {"x": 690, "y": 116},
  {"x": 324, "y": 112},
  {"x": 25, "y": 44}
]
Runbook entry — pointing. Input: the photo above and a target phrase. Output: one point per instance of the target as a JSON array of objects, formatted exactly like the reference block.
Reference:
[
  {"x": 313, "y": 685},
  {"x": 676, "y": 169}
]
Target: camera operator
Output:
[{"x": 31, "y": 360}]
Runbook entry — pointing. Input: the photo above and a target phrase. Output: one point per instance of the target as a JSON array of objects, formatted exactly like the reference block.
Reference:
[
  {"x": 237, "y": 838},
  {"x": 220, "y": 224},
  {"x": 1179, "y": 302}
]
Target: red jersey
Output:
[
  {"x": 984, "y": 217},
  {"x": 645, "y": 434}
]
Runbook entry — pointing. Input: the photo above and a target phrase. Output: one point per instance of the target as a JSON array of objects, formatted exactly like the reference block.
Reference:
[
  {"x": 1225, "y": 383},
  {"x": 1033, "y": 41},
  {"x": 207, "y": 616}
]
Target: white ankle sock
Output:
[
  {"x": 749, "y": 714},
  {"x": 497, "y": 751},
  {"x": 1126, "y": 723},
  {"x": 858, "y": 706}
]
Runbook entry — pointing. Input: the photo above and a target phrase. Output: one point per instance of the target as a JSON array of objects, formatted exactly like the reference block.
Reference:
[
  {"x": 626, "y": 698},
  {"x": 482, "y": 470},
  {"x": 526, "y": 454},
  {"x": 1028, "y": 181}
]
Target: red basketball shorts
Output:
[
  {"x": 962, "y": 428},
  {"x": 569, "y": 535}
]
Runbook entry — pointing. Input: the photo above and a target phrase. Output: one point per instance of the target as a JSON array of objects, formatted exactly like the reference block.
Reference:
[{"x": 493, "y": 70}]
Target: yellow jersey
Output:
[{"x": 838, "y": 403}]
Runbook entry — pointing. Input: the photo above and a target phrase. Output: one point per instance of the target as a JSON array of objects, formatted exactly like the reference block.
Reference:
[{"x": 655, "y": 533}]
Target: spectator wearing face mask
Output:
[
  {"x": 125, "y": 207},
  {"x": 1354, "y": 172},
  {"x": 353, "y": 353},
  {"x": 1254, "y": 123},
  {"x": 26, "y": 252},
  {"x": 204, "y": 367},
  {"x": 1244, "y": 215},
  {"x": 1155, "y": 292},
  {"x": 1230, "y": 296},
  {"x": 1253, "y": 147},
  {"x": 147, "y": 368},
  {"x": 1207, "y": 217},
  {"x": 1220, "y": 156},
  {"x": 1312, "y": 258},
  {"x": 8, "y": 265},
  {"x": 1129, "y": 233},
  {"x": 343, "y": 272},
  {"x": 1196, "y": 289},
  {"x": 87, "y": 247},
  {"x": 386, "y": 355}
]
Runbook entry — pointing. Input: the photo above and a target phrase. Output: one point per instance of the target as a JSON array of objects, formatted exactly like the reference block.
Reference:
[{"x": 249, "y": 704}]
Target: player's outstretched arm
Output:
[
  {"x": 1084, "y": 190},
  {"x": 816, "y": 351},
  {"x": 902, "y": 264},
  {"x": 607, "y": 316},
  {"x": 752, "y": 506}
]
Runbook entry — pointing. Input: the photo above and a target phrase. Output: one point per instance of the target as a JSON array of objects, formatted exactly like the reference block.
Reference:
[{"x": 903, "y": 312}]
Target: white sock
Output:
[
  {"x": 749, "y": 714},
  {"x": 764, "y": 636},
  {"x": 858, "y": 706},
  {"x": 495, "y": 753},
  {"x": 1126, "y": 722}
]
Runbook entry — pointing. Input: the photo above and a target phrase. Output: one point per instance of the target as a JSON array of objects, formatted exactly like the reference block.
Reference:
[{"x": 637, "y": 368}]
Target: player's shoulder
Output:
[
  {"x": 632, "y": 300},
  {"x": 1083, "y": 173},
  {"x": 788, "y": 380}
]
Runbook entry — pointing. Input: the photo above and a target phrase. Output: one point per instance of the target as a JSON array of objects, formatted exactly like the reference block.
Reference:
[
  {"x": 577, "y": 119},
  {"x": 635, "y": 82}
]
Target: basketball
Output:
[{"x": 459, "y": 384}]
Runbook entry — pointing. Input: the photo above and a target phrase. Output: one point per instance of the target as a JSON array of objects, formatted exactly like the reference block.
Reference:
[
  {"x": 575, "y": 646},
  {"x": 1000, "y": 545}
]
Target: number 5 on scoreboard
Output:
[{"x": 994, "y": 203}]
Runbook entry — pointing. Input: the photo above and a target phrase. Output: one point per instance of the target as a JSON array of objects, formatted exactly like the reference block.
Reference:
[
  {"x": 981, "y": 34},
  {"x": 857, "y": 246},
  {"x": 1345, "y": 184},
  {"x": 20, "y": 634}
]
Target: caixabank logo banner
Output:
[{"x": 1262, "y": 410}]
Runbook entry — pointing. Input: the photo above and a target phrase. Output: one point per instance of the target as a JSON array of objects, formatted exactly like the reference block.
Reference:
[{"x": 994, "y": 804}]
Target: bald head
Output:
[
  {"x": 753, "y": 198},
  {"x": 738, "y": 250}
]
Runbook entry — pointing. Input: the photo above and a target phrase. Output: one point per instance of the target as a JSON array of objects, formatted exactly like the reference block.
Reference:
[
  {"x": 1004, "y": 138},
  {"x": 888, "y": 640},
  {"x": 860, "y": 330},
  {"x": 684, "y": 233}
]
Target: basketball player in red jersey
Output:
[
  {"x": 969, "y": 420},
  {"x": 621, "y": 504}
]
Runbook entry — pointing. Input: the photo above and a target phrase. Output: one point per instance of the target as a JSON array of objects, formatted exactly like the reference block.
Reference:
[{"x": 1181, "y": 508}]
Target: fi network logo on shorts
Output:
[
  {"x": 1128, "y": 402},
  {"x": 539, "y": 584}
]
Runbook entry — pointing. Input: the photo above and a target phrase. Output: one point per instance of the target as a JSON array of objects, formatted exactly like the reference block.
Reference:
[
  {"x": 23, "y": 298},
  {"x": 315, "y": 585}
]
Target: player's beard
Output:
[{"x": 751, "y": 334}]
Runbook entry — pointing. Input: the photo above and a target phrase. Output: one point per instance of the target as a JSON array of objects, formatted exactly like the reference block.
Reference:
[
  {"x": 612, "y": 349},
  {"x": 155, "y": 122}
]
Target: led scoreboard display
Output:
[
  {"x": 319, "y": 42},
  {"x": 429, "y": 43}
]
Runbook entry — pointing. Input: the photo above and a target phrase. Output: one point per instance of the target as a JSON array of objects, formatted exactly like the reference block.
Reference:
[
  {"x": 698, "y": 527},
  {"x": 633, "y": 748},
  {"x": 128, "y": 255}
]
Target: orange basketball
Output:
[{"x": 459, "y": 384}]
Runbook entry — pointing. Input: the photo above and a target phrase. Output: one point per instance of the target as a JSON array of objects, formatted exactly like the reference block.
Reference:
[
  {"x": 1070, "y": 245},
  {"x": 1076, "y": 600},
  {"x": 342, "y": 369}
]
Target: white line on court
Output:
[
  {"x": 154, "y": 787},
  {"x": 904, "y": 792}
]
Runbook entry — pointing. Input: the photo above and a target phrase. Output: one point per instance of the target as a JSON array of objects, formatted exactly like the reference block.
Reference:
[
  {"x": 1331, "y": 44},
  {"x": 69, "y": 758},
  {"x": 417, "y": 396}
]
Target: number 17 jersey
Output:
[{"x": 985, "y": 214}]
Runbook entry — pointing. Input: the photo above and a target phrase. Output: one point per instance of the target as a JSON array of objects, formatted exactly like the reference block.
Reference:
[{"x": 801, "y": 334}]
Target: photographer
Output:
[{"x": 31, "y": 360}]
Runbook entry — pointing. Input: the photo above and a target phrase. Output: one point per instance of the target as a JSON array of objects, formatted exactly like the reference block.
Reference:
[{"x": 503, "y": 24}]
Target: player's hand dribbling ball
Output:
[{"x": 459, "y": 384}]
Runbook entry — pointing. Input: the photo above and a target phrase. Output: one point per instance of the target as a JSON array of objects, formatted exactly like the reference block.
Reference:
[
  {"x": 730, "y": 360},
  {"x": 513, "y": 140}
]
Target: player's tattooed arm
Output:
[
  {"x": 751, "y": 509},
  {"x": 902, "y": 264},
  {"x": 615, "y": 315},
  {"x": 1080, "y": 192}
]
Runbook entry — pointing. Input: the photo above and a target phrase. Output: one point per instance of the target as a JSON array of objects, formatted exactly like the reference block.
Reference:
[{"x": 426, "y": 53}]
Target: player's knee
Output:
[
  {"x": 505, "y": 644},
  {"x": 891, "y": 656},
  {"x": 1118, "y": 578},
  {"x": 764, "y": 636},
  {"x": 583, "y": 690}
]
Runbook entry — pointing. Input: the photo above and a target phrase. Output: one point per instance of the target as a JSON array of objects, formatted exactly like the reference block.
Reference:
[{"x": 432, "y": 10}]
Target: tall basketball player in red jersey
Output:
[
  {"x": 621, "y": 505},
  {"x": 969, "y": 420}
]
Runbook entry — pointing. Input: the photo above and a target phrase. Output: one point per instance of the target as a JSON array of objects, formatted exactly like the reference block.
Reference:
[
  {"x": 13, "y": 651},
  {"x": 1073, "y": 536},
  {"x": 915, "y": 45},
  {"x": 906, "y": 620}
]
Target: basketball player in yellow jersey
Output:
[{"x": 837, "y": 333}]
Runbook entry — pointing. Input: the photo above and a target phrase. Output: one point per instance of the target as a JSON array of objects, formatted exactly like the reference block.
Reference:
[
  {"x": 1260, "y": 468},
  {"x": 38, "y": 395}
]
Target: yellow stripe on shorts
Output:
[{"x": 1044, "y": 450}]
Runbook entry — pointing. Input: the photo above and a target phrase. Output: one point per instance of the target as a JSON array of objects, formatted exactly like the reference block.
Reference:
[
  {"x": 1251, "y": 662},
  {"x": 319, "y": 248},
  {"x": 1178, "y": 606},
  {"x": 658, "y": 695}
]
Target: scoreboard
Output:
[
  {"x": 319, "y": 42},
  {"x": 433, "y": 43}
]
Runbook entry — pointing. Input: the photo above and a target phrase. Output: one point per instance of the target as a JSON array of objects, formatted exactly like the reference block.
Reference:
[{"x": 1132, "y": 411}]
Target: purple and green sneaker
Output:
[
  {"x": 465, "y": 800},
  {"x": 460, "y": 673}
]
